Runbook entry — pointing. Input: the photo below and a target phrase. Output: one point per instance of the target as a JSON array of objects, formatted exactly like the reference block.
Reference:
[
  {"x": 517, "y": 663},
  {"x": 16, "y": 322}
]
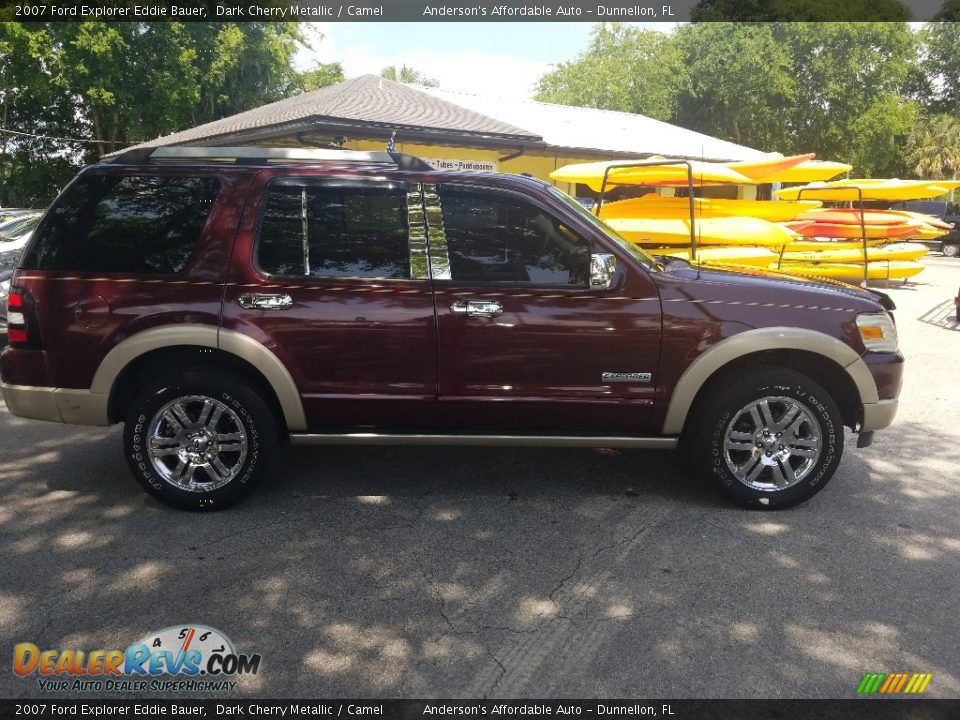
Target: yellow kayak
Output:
[
  {"x": 810, "y": 171},
  {"x": 871, "y": 189},
  {"x": 894, "y": 251},
  {"x": 928, "y": 232},
  {"x": 654, "y": 206},
  {"x": 710, "y": 231},
  {"x": 591, "y": 174},
  {"x": 749, "y": 256},
  {"x": 924, "y": 218},
  {"x": 893, "y": 270},
  {"x": 772, "y": 165},
  {"x": 803, "y": 245}
]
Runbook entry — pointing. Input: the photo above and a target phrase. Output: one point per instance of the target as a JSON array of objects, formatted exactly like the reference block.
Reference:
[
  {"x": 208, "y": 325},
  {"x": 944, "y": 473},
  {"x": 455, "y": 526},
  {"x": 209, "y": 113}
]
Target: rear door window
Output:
[
  {"x": 127, "y": 224},
  {"x": 335, "y": 230}
]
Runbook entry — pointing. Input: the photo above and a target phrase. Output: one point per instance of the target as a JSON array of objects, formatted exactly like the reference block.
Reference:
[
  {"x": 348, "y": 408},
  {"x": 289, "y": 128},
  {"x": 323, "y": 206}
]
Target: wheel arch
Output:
[
  {"x": 826, "y": 360},
  {"x": 179, "y": 346}
]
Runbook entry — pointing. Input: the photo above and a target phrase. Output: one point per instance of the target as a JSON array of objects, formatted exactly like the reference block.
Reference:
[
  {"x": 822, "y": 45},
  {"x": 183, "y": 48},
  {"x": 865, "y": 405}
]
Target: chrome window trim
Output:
[
  {"x": 436, "y": 235},
  {"x": 417, "y": 234}
]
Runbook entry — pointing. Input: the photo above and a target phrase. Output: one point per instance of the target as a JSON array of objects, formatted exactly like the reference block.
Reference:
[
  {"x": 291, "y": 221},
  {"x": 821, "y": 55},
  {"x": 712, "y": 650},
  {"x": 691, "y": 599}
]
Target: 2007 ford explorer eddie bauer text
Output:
[{"x": 218, "y": 301}]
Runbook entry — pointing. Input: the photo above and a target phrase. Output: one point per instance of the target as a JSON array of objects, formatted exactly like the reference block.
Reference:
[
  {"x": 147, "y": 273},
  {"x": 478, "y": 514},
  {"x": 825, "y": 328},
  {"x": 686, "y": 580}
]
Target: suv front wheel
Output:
[
  {"x": 198, "y": 440},
  {"x": 770, "y": 439}
]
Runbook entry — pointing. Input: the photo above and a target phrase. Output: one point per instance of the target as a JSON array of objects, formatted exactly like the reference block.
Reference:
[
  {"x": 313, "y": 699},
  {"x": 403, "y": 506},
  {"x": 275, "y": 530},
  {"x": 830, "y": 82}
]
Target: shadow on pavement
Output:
[{"x": 464, "y": 572}]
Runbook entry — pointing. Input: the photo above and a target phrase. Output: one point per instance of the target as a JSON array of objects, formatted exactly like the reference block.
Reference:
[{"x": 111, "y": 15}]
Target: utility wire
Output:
[{"x": 66, "y": 139}]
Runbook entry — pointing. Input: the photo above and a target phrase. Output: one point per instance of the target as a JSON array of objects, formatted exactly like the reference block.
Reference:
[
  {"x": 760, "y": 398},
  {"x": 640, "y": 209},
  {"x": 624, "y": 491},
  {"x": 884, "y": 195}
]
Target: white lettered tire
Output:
[
  {"x": 199, "y": 440},
  {"x": 768, "y": 438}
]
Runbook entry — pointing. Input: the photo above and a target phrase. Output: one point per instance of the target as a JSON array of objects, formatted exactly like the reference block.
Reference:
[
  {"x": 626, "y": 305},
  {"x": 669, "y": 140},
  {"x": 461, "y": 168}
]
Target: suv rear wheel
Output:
[
  {"x": 770, "y": 439},
  {"x": 198, "y": 440}
]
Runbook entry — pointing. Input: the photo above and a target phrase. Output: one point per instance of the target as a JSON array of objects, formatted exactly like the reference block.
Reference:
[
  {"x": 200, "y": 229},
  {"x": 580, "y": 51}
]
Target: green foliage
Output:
[
  {"x": 113, "y": 84},
  {"x": 796, "y": 10},
  {"x": 941, "y": 43},
  {"x": 849, "y": 77},
  {"x": 948, "y": 12},
  {"x": 846, "y": 91},
  {"x": 408, "y": 75},
  {"x": 743, "y": 75},
  {"x": 934, "y": 148},
  {"x": 322, "y": 75},
  {"x": 624, "y": 68}
]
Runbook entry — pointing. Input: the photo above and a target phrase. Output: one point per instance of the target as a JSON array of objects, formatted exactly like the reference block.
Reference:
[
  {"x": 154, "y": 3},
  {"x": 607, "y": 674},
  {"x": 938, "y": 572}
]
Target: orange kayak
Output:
[
  {"x": 852, "y": 231},
  {"x": 845, "y": 216}
]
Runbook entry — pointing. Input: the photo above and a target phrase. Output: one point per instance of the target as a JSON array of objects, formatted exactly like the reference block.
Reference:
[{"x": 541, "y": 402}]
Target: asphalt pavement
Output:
[{"x": 463, "y": 572}]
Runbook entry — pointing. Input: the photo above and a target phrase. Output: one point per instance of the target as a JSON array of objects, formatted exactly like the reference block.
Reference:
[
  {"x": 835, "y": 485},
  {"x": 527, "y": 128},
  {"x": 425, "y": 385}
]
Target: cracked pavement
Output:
[{"x": 478, "y": 572}]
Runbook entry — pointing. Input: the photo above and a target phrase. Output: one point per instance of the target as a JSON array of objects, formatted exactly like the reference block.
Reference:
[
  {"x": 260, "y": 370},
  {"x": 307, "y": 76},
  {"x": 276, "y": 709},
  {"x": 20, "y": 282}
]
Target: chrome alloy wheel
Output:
[
  {"x": 194, "y": 433},
  {"x": 772, "y": 444}
]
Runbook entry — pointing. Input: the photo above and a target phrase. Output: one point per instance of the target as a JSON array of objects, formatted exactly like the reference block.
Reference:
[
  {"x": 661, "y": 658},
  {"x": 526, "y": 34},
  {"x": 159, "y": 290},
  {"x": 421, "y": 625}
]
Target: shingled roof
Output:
[{"x": 366, "y": 101}]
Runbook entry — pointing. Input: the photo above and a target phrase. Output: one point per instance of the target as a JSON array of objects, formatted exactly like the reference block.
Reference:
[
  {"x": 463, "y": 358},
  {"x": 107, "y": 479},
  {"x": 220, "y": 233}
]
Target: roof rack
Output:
[{"x": 257, "y": 155}]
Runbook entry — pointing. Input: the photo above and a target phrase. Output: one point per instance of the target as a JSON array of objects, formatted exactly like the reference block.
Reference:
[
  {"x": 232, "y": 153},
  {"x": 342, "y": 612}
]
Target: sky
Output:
[{"x": 492, "y": 59}]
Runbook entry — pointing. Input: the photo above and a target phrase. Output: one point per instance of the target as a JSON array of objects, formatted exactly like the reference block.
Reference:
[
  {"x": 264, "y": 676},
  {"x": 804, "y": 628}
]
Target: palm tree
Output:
[
  {"x": 935, "y": 148},
  {"x": 407, "y": 75}
]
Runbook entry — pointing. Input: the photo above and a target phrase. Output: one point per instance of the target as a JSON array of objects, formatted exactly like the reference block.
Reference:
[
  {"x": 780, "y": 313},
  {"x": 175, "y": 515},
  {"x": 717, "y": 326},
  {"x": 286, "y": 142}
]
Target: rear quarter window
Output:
[{"x": 124, "y": 224}]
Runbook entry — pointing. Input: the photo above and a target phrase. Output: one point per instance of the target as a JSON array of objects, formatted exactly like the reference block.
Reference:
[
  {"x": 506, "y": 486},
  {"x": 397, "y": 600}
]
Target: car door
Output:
[
  {"x": 525, "y": 345},
  {"x": 329, "y": 274}
]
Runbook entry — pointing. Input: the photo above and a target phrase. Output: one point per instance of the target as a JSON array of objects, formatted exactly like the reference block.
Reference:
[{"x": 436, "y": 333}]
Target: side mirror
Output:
[{"x": 602, "y": 269}]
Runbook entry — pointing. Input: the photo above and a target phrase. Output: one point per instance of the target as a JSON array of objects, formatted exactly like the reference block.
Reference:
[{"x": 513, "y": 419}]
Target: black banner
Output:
[
  {"x": 474, "y": 10},
  {"x": 872, "y": 709}
]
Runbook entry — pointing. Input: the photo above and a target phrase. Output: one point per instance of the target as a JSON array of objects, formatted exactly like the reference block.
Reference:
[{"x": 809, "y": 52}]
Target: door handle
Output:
[
  {"x": 262, "y": 301},
  {"x": 477, "y": 308}
]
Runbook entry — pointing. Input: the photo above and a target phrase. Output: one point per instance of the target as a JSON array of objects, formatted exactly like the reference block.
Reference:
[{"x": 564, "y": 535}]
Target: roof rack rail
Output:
[{"x": 253, "y": 154}]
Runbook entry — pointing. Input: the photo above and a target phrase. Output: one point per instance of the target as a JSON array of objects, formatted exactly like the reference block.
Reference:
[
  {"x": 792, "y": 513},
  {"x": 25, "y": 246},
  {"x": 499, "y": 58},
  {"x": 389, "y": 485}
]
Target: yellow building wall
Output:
[{"x": 538, "y": 165}]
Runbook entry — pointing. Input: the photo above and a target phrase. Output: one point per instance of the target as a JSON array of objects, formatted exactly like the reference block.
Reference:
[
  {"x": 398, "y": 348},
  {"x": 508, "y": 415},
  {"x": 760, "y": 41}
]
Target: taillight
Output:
[{"x": 21, "y": 320}]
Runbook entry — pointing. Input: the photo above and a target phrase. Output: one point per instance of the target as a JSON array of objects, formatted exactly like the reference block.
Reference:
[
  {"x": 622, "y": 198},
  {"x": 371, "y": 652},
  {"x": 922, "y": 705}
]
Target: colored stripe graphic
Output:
[{"x": 894, "y": 683}]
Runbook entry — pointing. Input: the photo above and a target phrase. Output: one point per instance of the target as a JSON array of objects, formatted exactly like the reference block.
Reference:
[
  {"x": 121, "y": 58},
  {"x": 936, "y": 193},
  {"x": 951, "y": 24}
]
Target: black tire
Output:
[
  {"x": 819, "y": 429},
  {"x": 244, "y": 422},
  {"x": 951, "y": 249}
]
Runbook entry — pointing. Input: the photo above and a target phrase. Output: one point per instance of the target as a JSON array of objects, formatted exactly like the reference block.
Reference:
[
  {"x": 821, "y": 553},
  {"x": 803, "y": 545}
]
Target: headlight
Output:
[{"x": 878, "y": 332}]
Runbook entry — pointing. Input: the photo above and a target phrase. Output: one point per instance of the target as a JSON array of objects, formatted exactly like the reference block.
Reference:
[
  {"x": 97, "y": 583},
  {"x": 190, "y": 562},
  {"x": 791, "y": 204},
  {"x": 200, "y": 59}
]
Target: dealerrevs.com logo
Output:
[{"x": 179, "y": 658}]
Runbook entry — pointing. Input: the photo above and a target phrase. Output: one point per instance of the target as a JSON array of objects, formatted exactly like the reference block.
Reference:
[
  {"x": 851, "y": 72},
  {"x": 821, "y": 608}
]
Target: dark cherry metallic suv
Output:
[{"x": 220, "y": 300}]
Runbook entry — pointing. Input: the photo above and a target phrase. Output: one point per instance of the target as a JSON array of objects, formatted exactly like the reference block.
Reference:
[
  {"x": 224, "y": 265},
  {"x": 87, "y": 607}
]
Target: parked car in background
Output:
[
  {"x": 220, "y": 301},
  {"x": 11, "y": 249},
  {"x": 948, "y": 244}
]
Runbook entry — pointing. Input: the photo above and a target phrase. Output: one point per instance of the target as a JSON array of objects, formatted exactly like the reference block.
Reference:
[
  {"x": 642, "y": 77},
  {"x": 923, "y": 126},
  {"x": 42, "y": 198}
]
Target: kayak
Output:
[
  {"x": 894, "y": 270},
  {"x": 893, "y": 251},
  {"x": 928, "y": 232},
  {"x": 654, "y": 206},
  {"x": 924, "y": 218},
  {"x": 773, "y": 165},
  {"x": 871, "y": 189},
  {"x": 852, "y": 216},
  {"x": 810, "y": 171},
  {"x": 849, "y": 230},
  {"x": 591, "y": 174},
  {"x": 830, "y": 245},
  {"x": 750, "y": 256},
  {"x": 710, "y": 231}
]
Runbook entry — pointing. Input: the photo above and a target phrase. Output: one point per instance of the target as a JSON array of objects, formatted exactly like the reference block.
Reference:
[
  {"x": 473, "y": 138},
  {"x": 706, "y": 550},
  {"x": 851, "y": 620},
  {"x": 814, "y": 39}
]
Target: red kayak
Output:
[{"x": 850, "y": 216}]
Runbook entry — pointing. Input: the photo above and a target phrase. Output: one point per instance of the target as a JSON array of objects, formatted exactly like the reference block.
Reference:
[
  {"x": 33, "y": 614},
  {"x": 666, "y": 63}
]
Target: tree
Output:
[
  {"x": 849, "y": 77},
  {"x": 741, "y": 81},
  {"x": 800, "y": 10},
  {"x": 408, "y": 76},
  {"x": 948, "y": 12},
  {"x": 33, "y": 104},
  {"x": 934, "y": 148},
  {"x": 941, "y": 63},
  {"x": 624, "y": 68},
  {"x": 320, "y": 76}
]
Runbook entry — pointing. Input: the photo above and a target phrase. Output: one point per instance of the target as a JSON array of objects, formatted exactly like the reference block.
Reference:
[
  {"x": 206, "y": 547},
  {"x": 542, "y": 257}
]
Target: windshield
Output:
[
  {"x": 634, "y": 251},
  {"x": 11, "y": 230}
]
